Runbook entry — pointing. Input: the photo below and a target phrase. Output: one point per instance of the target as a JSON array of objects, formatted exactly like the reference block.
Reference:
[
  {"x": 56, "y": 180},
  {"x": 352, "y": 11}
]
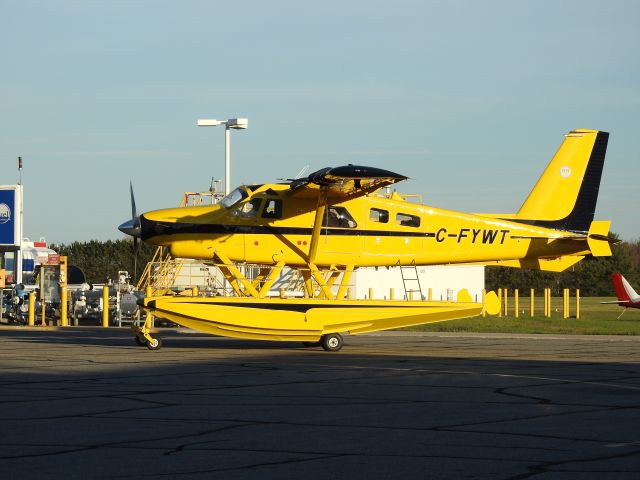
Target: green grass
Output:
[{"x": 595, "y": 319}]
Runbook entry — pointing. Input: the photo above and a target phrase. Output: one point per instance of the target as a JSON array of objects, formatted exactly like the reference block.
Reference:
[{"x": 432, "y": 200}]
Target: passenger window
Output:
[
  {"x": 378, "y": 215},
  {"x": 407, "y": 220},
  {"x": 272, "y": 208},
  {"x": 249, "y": 209},
  {"x": 338, "y": 217}
]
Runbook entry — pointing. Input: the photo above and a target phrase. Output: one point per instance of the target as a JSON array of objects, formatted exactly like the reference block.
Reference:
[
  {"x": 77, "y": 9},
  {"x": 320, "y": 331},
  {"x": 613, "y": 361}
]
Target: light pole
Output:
[{"x": 236, "y": 123}]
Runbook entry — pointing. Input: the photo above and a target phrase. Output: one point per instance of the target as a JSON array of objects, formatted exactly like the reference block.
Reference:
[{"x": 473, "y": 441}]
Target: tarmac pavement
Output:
[{"x": 90, "y": 403}]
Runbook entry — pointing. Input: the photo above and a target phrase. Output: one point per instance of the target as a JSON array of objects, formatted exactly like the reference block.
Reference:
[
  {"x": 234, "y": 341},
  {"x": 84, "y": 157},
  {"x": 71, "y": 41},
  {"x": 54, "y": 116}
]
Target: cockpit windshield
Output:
[{"x": 234, "y": 197}]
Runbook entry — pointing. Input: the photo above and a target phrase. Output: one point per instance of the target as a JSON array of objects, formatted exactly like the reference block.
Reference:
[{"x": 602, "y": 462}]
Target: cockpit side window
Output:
[
  {"x": 272, "y": 208},
  {"x": 338, "y": 217},
  {"x": 249, "y": 209},
  {"x": 234, "y": 197}
]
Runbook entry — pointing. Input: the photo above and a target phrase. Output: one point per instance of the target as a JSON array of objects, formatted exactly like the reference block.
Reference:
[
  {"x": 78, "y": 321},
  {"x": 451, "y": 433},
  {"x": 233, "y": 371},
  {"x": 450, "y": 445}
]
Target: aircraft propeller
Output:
[{"x": 132, "y": 227}]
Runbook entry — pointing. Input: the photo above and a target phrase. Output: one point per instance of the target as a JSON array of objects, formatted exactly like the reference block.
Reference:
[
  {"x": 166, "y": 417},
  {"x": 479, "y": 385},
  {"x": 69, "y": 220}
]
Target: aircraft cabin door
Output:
[{"x": 341, "y": 240}]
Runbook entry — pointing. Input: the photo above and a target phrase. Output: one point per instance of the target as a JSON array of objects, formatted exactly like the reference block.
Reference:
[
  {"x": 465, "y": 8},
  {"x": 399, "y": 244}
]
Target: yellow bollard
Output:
[
  {"x": 349, "y": 293},
  {"x": 281, "y": 292},
  {"x": 43, "y": 309},
  {"x": 506, "y": 302},
  {"x": 484, "y": 310},
  {"x": 500, "y": 302},
  {"x": 430, "y": 294},
  {"x": 64, "y": 321},
  {"x": 565, "y": 303},
  {"x": 515, "y": 302},
  {"x": 32, "y": 309},
  {"x": 391, "y": 293},
  {"x": 577, "y": 304},
  {"x": 194, "y": 292},
  {"x": 410, "y": 295},
  {"x": 370, "y": 293},
  {"x": 532, "y": 308},
  {"x": 547, "y": 313},
  {"x": 105, "y": 306}
]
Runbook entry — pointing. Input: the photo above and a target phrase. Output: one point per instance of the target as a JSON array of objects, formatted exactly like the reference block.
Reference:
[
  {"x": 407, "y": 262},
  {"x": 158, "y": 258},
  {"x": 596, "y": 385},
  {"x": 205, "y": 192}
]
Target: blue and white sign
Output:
[{"x": 10, "y": 221}]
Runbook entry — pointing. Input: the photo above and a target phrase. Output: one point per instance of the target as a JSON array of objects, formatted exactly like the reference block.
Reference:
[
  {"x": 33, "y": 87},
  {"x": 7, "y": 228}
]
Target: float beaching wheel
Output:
[{"x": 332, "y": 342}]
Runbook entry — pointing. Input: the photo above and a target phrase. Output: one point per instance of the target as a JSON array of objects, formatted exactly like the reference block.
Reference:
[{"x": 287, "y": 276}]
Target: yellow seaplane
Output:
[{"x": 335, "y": 220}]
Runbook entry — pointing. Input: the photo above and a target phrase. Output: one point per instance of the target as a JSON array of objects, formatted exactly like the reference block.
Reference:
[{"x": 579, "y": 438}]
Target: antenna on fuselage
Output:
[{"x": 302, "y": 172}]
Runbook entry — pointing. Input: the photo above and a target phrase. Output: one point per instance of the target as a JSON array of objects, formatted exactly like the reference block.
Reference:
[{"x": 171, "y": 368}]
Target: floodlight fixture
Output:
[
  {"x": 206, "y": 122},
  {"x": 236, "y": 124}
]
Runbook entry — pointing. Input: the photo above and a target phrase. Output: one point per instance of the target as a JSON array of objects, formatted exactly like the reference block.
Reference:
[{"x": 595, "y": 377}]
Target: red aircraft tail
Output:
[{"x": 621, "y": 289}]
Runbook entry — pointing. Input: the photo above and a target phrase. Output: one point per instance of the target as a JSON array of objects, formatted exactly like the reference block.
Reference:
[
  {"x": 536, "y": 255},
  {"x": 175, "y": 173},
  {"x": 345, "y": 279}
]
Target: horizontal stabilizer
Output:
[
  {"x": 598, "y": 238},
  {"x": 558, "y": 264}
]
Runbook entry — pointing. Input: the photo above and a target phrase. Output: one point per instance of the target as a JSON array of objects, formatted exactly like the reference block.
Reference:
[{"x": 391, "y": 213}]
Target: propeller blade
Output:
[
  {"x": 132, "y": 226},
  {"x": 133, "y": 201}
]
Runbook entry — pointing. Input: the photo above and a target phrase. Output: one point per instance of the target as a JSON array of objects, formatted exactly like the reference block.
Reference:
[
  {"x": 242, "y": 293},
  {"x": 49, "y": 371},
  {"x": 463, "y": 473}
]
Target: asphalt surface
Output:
[{"x": 89, "y": 403}]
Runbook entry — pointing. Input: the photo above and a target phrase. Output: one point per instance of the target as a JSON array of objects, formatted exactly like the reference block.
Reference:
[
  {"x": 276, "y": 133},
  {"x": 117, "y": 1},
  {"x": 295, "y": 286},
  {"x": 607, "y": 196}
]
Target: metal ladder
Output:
[{"x": 410, "y": 278}]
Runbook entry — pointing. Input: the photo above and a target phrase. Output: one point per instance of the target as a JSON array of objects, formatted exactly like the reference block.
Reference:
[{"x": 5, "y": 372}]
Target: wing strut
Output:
[{"x": 317, "y": 227}]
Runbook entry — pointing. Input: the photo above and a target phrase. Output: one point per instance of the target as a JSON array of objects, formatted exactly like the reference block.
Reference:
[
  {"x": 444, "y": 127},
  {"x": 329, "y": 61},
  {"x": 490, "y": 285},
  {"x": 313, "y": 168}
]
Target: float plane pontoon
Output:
[{"x": 338, "y": 219}]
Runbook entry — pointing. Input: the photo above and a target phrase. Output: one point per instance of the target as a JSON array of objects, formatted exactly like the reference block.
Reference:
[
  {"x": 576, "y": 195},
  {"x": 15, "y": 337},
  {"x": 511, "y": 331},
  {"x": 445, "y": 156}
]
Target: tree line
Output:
[
  {"x": 591, "y": 275},
  {"x": 101, "y": 261}
]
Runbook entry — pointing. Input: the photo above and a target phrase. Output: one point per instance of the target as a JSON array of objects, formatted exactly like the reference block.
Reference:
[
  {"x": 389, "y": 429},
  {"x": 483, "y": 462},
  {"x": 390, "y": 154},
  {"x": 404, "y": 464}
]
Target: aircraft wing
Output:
[{"x": 345, "y": 181}]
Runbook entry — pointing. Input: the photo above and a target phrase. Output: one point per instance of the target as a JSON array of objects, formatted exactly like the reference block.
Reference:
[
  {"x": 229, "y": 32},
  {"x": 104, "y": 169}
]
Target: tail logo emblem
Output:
[{"x": 565, "y": 172}]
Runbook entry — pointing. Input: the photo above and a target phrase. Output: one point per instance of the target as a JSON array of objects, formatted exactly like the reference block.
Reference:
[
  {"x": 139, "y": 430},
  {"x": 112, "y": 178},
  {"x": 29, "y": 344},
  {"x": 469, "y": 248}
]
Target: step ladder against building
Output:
[{"x": 411, "y": 282}]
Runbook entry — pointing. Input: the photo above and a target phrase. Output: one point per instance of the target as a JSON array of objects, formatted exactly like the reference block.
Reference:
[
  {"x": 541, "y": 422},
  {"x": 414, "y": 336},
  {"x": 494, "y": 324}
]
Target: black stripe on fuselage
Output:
[{"x": 151, "y": 228}]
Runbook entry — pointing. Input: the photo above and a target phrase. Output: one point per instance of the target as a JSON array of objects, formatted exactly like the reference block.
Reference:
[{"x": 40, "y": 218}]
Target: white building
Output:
[{"x": 444, "y": 281}]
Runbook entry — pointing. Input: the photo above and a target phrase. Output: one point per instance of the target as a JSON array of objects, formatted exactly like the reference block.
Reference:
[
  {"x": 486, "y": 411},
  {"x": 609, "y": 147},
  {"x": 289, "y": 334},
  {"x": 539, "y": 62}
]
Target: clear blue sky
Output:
[{"x": 470, "y": 99}]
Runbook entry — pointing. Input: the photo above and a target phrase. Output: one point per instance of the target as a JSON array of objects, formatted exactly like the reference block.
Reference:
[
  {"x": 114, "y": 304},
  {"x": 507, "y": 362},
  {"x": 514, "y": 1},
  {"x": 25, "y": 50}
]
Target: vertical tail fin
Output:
[
  {"x": 624, "y": 291},
  {"x": 565, "y": 196}
]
